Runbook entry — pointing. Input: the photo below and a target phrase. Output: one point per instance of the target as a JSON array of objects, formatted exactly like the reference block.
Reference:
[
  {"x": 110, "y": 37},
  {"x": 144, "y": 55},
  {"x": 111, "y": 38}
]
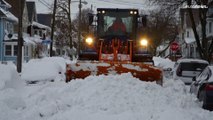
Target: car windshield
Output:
[
  {"x": 193, "y": 66},
  {"x": 190, "y": 69}
]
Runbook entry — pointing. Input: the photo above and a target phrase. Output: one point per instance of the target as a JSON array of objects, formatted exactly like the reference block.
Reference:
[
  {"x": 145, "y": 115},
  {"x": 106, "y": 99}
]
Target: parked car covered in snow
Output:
[
  {"x": 202, "y": 87},
  {"x": 186, "y": 69}
]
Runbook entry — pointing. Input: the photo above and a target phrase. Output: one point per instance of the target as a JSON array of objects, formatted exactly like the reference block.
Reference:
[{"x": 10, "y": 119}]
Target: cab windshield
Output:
[{"x": 108, "y": 23}]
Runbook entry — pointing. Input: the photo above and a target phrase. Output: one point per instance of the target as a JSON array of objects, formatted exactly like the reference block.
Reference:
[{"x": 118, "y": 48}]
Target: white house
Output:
[{"x": 187, "y": 39}]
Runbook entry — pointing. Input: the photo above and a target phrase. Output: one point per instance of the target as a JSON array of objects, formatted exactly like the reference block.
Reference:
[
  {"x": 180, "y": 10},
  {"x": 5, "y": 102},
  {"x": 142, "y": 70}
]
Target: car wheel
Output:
[
  {"x": 199, "y": 96},
  {"x": 202, "y": 99},
  {"x": 204, "y": 105}
]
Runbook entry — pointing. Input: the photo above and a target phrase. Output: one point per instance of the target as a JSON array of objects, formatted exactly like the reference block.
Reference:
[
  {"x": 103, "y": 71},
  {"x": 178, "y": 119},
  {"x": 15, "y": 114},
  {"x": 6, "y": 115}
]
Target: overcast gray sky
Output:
[{"x": 42, "y": 5}]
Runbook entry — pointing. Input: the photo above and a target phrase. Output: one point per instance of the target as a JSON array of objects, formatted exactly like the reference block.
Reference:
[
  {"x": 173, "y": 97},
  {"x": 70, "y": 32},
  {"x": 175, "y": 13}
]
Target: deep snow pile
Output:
[
  {"x": 163, "y": 63},
  {"x": 9, "y": 77},
  {"x": 45, "y": 69},
  {"x": 10, "y": 92},
  {"x": 114, "y": 97}
]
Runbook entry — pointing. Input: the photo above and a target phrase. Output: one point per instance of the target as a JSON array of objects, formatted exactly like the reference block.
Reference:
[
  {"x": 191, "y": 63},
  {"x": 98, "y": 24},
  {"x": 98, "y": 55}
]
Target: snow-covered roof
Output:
[
  {"x": 40, "y": 25},
  {"x": 27, "y": 38},
  {"x": 189, "y": 40},
  {"x": 192, "y": 60},
  {"x": 9, "y": 15},
  {"x": 35, "y": 39}
]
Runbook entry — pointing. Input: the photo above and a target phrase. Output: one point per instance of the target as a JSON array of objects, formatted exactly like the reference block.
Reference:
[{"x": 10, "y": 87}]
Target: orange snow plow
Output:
[
  {"x": 115, "y": 48},
  {"x": 144, "y": 72}
]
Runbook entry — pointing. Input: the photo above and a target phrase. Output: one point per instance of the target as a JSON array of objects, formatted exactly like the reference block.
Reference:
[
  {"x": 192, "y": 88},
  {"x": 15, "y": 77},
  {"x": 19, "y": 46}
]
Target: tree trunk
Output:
[
  {"x": 200, "y": 50},
  {"x": 70, "y": 24}
]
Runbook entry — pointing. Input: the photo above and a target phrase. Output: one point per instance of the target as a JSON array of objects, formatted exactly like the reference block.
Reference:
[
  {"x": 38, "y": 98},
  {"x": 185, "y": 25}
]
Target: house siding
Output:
[
  {"x": 32, "y": 47},
  {"x": 6, "y": 24},
  {"x": 2, "y": 20}
]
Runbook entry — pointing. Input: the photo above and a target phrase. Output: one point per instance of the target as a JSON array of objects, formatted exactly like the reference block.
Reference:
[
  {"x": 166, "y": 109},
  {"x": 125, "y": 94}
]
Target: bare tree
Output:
[
  {"x": 204, "y": 49},
  {"x": 204, "y": 46},
  {"x": 161, "y": 26},
  {"x": 64, "y": 20},
  {"x": 84, "y": 21}
]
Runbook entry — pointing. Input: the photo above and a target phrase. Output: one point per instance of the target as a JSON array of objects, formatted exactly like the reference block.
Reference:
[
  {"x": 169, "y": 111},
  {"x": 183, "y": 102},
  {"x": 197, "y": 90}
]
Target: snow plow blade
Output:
[{"x": 144, "y": 72}]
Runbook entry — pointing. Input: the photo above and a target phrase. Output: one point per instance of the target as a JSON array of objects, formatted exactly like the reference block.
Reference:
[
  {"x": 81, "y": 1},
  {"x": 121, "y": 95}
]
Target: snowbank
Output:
[
  {"x": 10, "y": 92},
  {"x": 114, "y": 97},
  {"x": 163, "y": 63},
  {"x": 45, "y": 69},
  {"x": 9, "y": 78}
]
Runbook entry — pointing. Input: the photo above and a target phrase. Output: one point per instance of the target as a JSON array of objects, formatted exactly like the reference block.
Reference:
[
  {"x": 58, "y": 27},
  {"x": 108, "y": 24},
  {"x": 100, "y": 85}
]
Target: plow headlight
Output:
[
  {"x": 144, "y": 42},
  {"x": 89, "y": 40}
]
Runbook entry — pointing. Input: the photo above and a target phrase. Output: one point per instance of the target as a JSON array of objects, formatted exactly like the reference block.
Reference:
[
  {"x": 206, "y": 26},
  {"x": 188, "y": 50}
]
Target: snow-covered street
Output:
[
  {"x": 114, "y": 97},
  {"x": 106, "y": 59}
]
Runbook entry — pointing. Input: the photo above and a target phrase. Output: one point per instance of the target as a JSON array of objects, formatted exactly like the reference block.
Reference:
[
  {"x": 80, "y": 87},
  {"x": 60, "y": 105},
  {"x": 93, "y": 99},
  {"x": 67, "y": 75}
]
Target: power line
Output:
[{"x": 45, "y": 4}]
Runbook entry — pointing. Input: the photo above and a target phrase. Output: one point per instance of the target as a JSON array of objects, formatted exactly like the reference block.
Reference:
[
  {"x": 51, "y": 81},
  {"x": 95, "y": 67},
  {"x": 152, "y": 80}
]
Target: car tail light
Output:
[{"x": 209, "y": 87}]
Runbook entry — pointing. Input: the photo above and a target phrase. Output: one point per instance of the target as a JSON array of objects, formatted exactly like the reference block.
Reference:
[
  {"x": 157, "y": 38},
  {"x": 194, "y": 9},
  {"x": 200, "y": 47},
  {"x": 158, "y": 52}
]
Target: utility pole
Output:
[
  {"x": 79, "y": 27},
  {"x": 52, "y": 28},
  {"x": 20, "y": 36}
]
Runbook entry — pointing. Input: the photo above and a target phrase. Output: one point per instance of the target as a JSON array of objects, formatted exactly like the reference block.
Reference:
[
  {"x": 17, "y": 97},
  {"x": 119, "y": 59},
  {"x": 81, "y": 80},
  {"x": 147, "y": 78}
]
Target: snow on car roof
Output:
[
  {"x": 192, "y": 60},
  {"x": 211, "y": 68}
]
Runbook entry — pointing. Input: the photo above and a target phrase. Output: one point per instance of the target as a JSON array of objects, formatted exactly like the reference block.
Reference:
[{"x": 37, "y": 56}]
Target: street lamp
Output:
[{"x": 79, "y": 24}]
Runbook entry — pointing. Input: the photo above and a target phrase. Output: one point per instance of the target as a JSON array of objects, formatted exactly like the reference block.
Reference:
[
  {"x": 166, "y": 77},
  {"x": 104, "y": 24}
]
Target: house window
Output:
[
  {"x": 210, "y": 11},
  {"x": 36, "y": 32},
  {"x": 182, "y": 36},
  {"x": 8, "y": 50},
  {"x": 210, "y": 27},
  {"x": 9, "y": 27},
  {"x": 15, "y": 50},
  {"x": 11, "y": 50},
  {"x": 40, "y": 33},
  {"x": 187, "y": 34}
]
